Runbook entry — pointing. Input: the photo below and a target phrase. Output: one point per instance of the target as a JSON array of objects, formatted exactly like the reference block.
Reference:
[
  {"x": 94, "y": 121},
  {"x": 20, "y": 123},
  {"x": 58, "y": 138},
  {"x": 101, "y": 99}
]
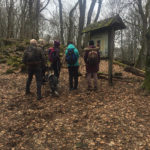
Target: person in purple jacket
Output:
[
  {"x": 56, "y": 65},
  {"x": 92, "y": 60}
]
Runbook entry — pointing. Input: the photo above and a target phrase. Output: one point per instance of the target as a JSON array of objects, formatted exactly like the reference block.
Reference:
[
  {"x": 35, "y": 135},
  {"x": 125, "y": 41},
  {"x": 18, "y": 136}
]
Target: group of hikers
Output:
[{"x": 36, "y": 57}]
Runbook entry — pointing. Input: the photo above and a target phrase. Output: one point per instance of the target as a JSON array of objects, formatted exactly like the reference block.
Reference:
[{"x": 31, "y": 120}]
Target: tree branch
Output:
[{"x": 44, "y": 6}]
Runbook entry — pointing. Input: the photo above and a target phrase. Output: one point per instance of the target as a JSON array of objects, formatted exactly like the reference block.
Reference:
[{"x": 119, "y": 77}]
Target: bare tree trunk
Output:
[
  {"x": 30, "y": 22},
  {"x": 61, "y": 22},
  {"x": 71, "y": 23},
  {"x": 10, "y": 19},
  {"x": 146, "y": 84},
  {"x": 23, "y": 17},
  {"x": 0, "y": 21},
  {"x": 142, "y": 55},
  {"x": 44, "y": 6},
  {"x": 37, "y": 18},
  {"x": 98, "y": 10},
  {"x": 82, "y": 8},
  {"x": 91, "y": 11}
]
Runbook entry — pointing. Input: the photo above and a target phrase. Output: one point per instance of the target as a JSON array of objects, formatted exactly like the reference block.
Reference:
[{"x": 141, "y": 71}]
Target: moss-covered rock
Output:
[
  {"x": 14, "y": 61},
  {"x": 21, "y": 47},
  {"x": 9, "y": 41}
]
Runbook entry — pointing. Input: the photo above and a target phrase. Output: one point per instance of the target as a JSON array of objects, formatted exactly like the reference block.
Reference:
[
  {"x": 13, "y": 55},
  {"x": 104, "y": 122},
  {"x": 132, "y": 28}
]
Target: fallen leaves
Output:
[{"x": 113, "y": 118}]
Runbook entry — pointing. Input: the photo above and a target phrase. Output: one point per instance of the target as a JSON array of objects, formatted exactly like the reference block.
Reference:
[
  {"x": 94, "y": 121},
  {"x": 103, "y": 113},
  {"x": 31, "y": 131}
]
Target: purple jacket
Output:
[{"x": 91, "y": 68}]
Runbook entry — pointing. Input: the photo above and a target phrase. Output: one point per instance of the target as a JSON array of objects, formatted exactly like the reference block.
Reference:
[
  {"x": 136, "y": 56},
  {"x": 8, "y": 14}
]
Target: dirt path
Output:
[{"x": 112, "y": 118}]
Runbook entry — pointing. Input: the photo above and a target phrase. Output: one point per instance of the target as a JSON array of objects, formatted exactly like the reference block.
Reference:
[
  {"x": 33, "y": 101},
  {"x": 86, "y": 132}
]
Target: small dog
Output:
[{"x": 53, "y": 83}]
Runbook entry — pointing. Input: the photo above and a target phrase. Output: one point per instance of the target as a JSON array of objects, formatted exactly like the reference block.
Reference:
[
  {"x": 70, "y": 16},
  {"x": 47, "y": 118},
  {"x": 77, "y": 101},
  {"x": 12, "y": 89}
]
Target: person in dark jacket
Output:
[
  {"x": 56, "y": 65},
  {"x": 92, "y": 69},
  {"x": 73, "y": 68},
  {"x": 34, "y": 65}
]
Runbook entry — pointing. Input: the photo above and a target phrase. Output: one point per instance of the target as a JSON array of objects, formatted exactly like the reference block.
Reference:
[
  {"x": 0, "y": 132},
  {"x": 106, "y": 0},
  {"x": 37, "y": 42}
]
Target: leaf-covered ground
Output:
[{"x": 116, "y": 117}]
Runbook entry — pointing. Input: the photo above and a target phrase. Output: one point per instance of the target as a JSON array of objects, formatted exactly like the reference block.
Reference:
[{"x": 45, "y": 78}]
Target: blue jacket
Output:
[{"x": 75, "y": 51}]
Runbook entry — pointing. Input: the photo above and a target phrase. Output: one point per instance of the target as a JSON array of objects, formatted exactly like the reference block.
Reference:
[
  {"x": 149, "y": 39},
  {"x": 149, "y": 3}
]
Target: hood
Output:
[
  {"x": 70, "y": 46},
  {"x": 56, "y": 43}
]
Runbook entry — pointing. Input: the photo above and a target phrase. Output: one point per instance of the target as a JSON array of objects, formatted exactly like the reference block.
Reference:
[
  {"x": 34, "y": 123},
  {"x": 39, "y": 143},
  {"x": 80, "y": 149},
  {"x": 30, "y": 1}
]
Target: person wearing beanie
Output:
[
  {"x": 55, "y": 62},
  {"x": 92, "y": 60}
]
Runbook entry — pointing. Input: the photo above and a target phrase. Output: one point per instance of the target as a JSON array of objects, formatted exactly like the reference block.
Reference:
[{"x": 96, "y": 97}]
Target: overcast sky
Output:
[{"x": 68, "y": 4}]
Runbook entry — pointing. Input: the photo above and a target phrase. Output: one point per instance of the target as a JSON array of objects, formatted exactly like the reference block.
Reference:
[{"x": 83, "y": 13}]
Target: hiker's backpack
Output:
[
  {"x": 32, "y": 55},
  {"x": 52, "y": 55},
  {"x": 92, "y": 58},
  {"x": 71, "y": 57}
]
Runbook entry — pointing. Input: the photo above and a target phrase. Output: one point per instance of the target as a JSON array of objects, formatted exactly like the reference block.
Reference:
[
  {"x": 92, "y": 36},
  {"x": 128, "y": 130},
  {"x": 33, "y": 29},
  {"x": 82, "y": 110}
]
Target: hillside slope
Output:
[{"x": 114, "y": 117}]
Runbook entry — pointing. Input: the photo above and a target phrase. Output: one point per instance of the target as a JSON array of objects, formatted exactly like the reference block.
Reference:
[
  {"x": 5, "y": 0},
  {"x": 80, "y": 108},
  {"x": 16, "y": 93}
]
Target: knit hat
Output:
[
  {"x": 91, "y": 42},
  {"x": 56, "y": 43}
]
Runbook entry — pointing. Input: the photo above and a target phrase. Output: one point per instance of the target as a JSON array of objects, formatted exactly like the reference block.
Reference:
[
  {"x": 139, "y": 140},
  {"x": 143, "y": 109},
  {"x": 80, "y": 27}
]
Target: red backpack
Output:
[
  {"x": 92, "y": 58},
  {"x": 52, "y": 56}
]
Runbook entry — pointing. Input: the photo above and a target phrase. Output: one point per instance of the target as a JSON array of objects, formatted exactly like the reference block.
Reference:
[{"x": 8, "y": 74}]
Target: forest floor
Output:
[{"x": 115, "y": 117}]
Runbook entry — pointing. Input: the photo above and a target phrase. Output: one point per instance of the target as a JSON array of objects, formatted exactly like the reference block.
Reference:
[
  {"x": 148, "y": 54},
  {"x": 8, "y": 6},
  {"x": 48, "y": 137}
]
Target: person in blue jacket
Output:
[{"x": 72, "y": 58}]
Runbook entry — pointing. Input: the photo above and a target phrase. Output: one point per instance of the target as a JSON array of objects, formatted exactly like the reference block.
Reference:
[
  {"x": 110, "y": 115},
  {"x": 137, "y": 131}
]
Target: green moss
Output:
[
  {"x": 2, "y": 61},
  {"x": 19, "y": 60},
  {"x": 97, "y": 25},
  {"x": 9, "y": 62},
  {"x": 16, "y": 64},
  {"x": 82, "y": 145},
  {"x": 105, "y": 23},
  {"x": 9, "y": 71},
  {"x": 119, "y": 63},
  {"x": 14, "y": 61},
  {"x": 101, "y": 72},
  {"x": 21, "y": 46}
]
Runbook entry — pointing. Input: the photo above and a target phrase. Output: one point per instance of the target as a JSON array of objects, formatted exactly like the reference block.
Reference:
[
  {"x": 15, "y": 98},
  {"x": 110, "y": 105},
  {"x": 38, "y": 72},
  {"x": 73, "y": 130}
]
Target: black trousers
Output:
[
  {"x": 73, "y": 77},
  {"x": 38, "y": 74},
  {"x": 43, "y": 72},
  {"x": 56, "y": 67}
]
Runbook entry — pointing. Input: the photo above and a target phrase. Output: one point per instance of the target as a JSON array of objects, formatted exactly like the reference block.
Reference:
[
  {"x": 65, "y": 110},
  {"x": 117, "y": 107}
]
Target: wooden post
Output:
[{"x": 111, "y": 35}]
